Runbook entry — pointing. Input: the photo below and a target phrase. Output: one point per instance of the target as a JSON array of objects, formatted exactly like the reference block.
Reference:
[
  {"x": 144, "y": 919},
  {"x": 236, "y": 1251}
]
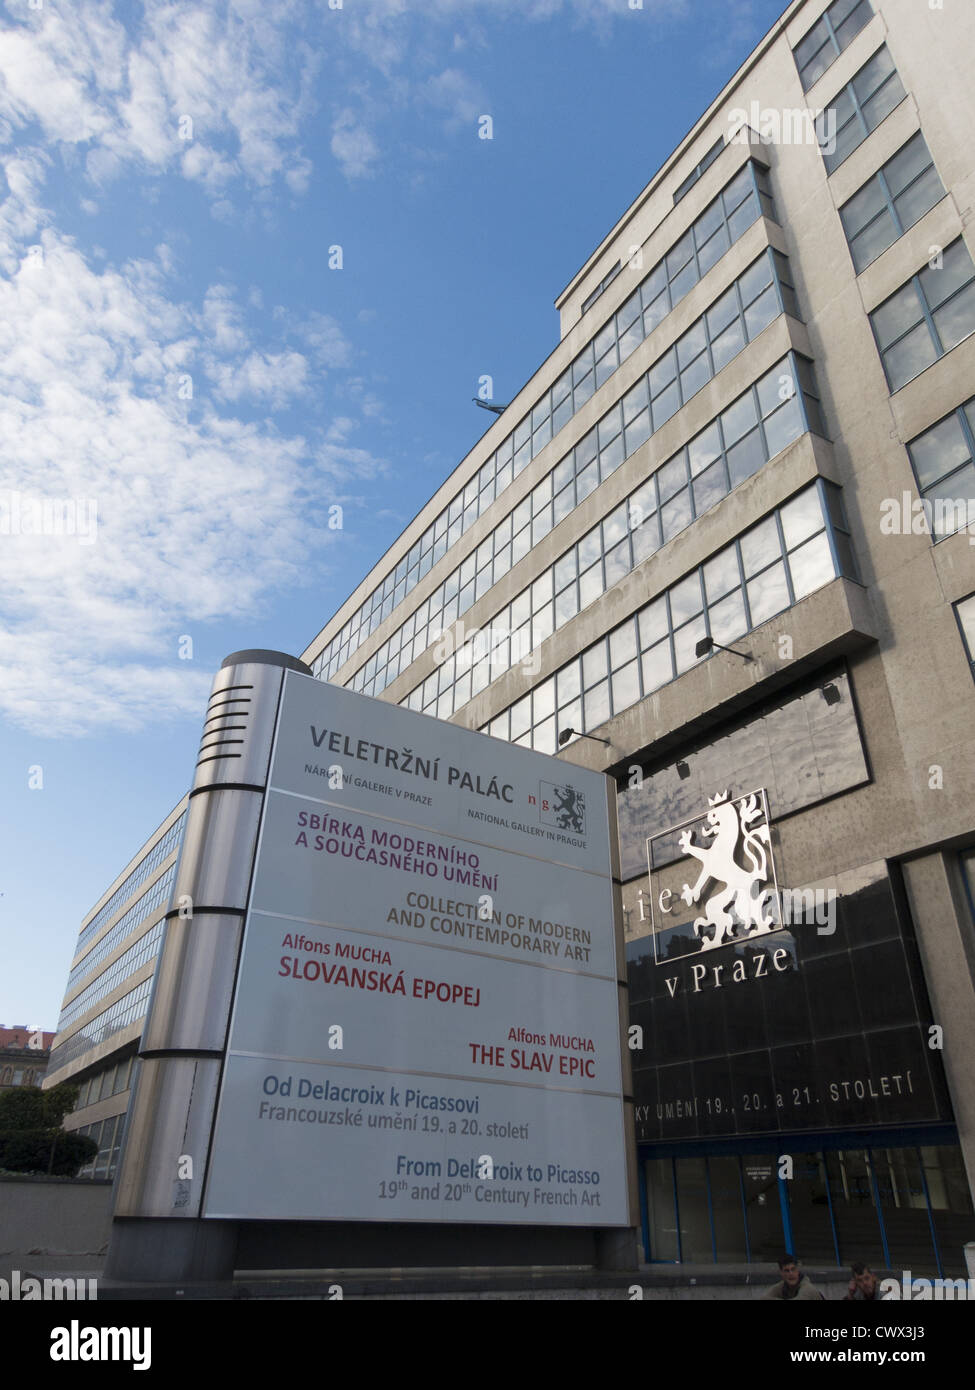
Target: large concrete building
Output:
[{"x": 720, "y": 544}]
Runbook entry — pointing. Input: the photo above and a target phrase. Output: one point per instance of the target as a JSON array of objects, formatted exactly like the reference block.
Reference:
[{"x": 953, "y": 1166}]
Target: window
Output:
[
  {"x": 943, "y": 459},
  {"x": 965, "y": 612},
  {"x": 927, "y": 317},
  {"x": 759, "y": 295},
  {"x": 859, "y": 108},
  {"x": 797, "y": 549},
  {"x": 606, "y": 281},
  {"x": 896, "y": 197},
  {"x": 698, "y": 170},
  {"x": 782, "y": 405},
  {"x": 828, "y": 38},
  {"x": 745, "y": 198}
]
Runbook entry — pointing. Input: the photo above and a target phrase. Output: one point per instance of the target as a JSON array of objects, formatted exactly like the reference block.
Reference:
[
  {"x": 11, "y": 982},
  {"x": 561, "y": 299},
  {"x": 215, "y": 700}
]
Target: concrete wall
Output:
[{"x": 62, "y": 1217}]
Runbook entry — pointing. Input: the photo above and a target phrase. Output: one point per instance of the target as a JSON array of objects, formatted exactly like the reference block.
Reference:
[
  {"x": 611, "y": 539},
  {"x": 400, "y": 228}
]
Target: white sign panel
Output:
[{"x": 426, "y": 1023}]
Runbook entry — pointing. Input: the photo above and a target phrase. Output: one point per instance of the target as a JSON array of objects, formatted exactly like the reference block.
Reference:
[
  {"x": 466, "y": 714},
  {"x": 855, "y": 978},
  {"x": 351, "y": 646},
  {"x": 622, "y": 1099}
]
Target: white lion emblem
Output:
[{"x": 743, "y": 898}]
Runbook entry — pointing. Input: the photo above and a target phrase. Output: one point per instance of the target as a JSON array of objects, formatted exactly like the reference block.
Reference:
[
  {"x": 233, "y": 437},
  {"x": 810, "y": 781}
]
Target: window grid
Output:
[
  {"x": 833, "y": 32},
  {"x": 147, "y": 904},
  {"x": 119, "y": 1015},
  {"x": 761, "y": 573},
  {"x": 160, "y": 851},
  {"x": 107, "y": 1134},
  {"x": 886, "y": 207},
  {"x": 774, "y": 411},
  {"x": 744, "y": 199},
  {"x": 861, "y": 106},
  {"x": 943, "y": 459},
  {"x": 758, "y": 296},
  {"x": 104, "y": 1084},
  {"x": 143, "y": 950},
  {"x": 927, "y": 317}
]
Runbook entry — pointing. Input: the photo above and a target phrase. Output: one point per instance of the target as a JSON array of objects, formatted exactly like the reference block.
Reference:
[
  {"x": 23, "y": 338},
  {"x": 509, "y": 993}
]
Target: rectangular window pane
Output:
[
  {"x": 727, "y": 618},
  {"x": 896, "y": 315},
  {"x": 811, "y": 565},
  {"x": 675, "y": 515},
  {"x": 596, "y": 705},
  {"x": 760, "y": 546},
  {"x": 594, "y": 665},
  {"x": 890, "y": 95},
  {"x": 746, "y": 458},
  {"x": 956, "y": 319},
  {"x": 909, "y": 357},
  {"x": 622, "y": 645},
  {"x": 626, "y": 687},
  {"x": 658, "y": 666},
  {"x": 721, "y": 574},
  {"x": 728, "y": 345},
  {"x": 768, "y": 594},
  {"x": 940, "y": 282},
  {"x": 919, "y": 198},
  {"x": 784, "y": 426},
  {"x": 939, "y": 451},
  {"x": 710, "y": 486},
  {"x": 862, "y": 208},
  {"x": 653, "y": 623},
  {"x": 873, "y": 241}
]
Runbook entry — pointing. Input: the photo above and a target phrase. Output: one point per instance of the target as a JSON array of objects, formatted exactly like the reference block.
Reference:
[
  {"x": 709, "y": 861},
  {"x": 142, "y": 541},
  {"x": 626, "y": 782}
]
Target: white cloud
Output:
[
  {"x": 457, "y": 94},
  {"x": 353, "y": 146},
  {"x": 218, "y": 90},
  {"x": 323, "y": 335},
  {"x": 199, "y": 516},
  {"x": 273, "y": 378}
]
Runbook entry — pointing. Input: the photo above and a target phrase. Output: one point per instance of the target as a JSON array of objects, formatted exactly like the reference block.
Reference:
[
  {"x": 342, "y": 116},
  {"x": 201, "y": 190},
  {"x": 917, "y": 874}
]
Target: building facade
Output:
[
  {"x": 24, "y": 1054},
  {"x": 107, "y": 996},
  {"x": 720, "y": 548}
]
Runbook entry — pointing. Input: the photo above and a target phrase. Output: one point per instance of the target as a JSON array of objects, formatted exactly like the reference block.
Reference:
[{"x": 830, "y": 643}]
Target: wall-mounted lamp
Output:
[
  {"x": 566, "y": 734},
  {"x": 683, "y": 771},
  {"x": 830, "y": 694},
  {"x": 705, "y": 645}
]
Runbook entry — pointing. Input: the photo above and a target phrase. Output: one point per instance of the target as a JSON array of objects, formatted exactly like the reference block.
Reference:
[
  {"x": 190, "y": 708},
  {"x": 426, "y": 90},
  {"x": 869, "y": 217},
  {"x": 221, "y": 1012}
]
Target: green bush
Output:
[{"x": 31, "y": 1137}]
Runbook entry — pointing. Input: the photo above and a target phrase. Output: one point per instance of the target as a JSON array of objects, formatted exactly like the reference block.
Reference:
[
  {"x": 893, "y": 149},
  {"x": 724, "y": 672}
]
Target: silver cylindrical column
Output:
[{"x": 157, "y": 1231}]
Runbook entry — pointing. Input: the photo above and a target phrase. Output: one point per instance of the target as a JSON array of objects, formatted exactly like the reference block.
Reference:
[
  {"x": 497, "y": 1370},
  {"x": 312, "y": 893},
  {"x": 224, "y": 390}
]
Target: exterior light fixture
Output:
[
  {"x": 705, "y": 644},
  {"x": 486, "y": 405},
  {"x": 566, "y": 734},
  {"x": 683, "y": 771},
  {"x": 830, "y": 694}
]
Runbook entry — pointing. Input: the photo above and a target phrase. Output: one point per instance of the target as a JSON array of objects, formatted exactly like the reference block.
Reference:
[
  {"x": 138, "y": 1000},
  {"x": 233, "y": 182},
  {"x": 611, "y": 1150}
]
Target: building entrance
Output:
[{"x": 898, "y": 1206}]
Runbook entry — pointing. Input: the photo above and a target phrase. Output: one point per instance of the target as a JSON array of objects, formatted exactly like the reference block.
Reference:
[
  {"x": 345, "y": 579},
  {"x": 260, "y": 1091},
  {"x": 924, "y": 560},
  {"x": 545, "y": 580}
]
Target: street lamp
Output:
[
  {"x": 566, "y": 734},
  {"x": 705, "y": 644}
]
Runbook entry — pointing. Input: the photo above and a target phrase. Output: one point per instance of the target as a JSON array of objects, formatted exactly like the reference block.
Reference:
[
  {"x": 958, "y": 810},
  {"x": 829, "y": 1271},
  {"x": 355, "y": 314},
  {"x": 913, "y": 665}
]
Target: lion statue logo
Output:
[{"x": 744, "y": 901}]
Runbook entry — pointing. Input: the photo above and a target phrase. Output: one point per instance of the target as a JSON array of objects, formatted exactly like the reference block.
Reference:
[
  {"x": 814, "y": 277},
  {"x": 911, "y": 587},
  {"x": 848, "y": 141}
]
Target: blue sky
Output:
[{"x": 179, "y": 362}]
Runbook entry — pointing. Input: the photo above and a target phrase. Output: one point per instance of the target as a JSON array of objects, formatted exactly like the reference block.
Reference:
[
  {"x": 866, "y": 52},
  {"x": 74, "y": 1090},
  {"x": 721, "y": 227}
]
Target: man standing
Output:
[{"x": 794, "y": 1284}]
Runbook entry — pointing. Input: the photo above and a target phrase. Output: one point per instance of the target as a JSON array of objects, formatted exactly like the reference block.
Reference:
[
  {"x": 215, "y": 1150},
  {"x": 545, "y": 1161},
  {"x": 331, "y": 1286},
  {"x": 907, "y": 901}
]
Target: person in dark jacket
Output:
[
  {"x": 794, "y": 1283},
  {"x": 864, "y": 1285}
]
